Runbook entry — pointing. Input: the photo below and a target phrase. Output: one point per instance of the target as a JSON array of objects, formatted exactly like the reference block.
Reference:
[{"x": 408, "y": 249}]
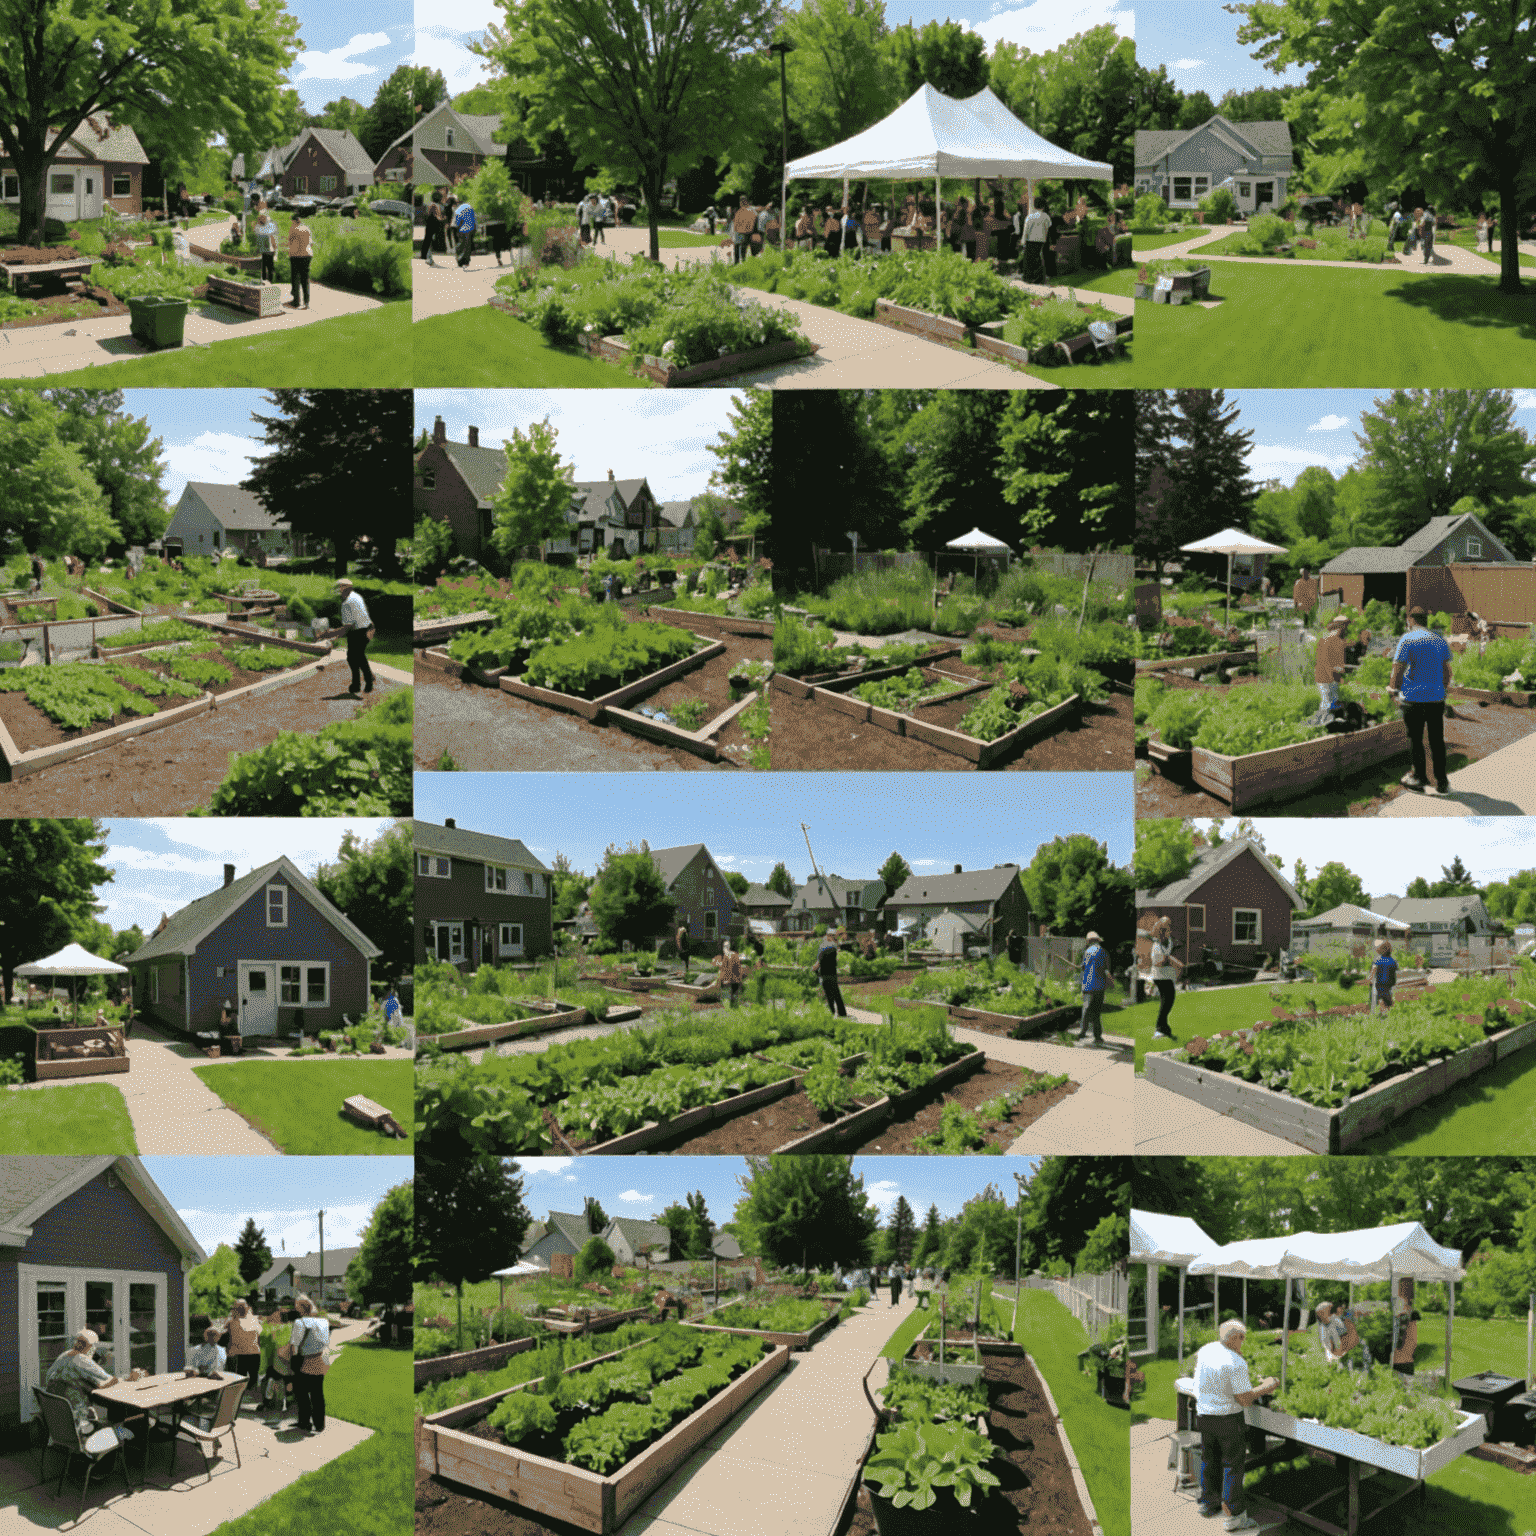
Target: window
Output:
[
  {"x": 215, "y": 538},
  {"x": 429, "y": 479},
  {"x": 852, "y": 901},
  {"x": 317, "y": 986},
  {"x": 1245, "y": 189},
  {"x": 10, "y": 187},
  {"x": 301, "y": 183},
  {"x": 1181, "y": 189},
  {"x": 327, "y": 183},
  {"x": 1202, "y": 185},
  {"x": 448, "y": 138},
  {"x": 61, "y": 185},
  {"x": 154, "y": 985},
  {"x": 122, "y": 185},
  {"x": 711, "y": 924},
  {"x": 1196, "y": 919},
  {"x": 448, "y": 941},
  {"x": 1474, "y": 549},
  {"x": 277, "y": 906},
  {"x": 1247, "y": 927},
  {"x": 289, "y": 986},
  {"x": 434, "y": 866},
  {"x": 497, "y": 879},
  {"x": 510, "y": 939}
]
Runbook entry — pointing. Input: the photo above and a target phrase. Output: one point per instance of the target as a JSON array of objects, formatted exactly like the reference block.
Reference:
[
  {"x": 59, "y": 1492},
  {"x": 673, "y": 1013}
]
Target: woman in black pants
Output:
[
  {"x": 310, "y": 1336},
  {"x": 1165, "y": 966}
]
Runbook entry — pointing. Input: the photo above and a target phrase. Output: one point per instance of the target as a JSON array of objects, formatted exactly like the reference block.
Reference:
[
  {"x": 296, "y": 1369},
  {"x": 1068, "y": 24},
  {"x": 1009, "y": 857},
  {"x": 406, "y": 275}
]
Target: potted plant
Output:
[{"x": 922, "y": 1476}]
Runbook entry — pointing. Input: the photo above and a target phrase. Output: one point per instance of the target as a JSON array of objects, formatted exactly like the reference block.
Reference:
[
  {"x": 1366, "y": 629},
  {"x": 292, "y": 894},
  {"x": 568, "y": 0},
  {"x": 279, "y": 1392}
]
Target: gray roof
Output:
[
  {"x": 341, "y": 144},
  {"x": 482, "y": 847},
  {"x": 233, "y": 506},
  {"x": 673, "y": 861},
  {"x": 30, "y": 1187},
  {"x": 1391, "y": 560},
  {"x": 1271, "y": 137},
  {"x": 594, "y": 494},
  {"x": 1210, "y": 861},
  {"x": 306, "y": 1265},
  {"x": 641, "y": 1234},
  {"x": 101, "y": 140},
  {"x": 830, "y": 891},
  {"x": 1347, "y": 915},
  {"x": 572, "y": 1228},
  {"x": 27, "y": 1181},
  {"x": 676, "y": 513},
  {"x": 761, "y": 896},
  {"x": 1425, "y": 909},
  {"x": 187, "y": 929},
  {"x": 483, "y": 469},
  {"x": 968, "y": 885}
]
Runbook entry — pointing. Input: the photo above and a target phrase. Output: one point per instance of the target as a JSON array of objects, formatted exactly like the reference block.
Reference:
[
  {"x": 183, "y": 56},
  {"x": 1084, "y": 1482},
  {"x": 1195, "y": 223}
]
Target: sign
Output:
[
  {"x": 1149, "y": 606},
  {"x": 1164, "y": 284}
]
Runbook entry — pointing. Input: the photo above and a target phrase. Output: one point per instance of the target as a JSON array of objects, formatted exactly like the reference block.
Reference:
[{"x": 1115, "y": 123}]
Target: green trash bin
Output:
[{"x": 158, "y": 320}]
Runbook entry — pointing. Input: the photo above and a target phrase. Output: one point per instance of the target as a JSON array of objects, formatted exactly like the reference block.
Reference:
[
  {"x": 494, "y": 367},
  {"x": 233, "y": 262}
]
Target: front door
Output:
[
  {"x": 1264, "y": 195},
  {"x": 258, "y": 999},
  {"x": 90, "y": 196}
]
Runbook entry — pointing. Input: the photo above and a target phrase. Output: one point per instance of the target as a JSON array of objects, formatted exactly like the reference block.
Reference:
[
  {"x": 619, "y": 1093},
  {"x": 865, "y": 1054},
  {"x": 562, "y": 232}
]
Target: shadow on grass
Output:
[
  {"x": 1490, "y": 1092},
  {"x": 1473, "y": 301}
]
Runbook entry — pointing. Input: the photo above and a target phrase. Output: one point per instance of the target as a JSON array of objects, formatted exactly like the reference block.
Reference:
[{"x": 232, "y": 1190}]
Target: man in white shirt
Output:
[
  {"x": 1037, "y": 231},
  {"x": 359, "y": 628},
  {"x": 1222, "y": 1392}
]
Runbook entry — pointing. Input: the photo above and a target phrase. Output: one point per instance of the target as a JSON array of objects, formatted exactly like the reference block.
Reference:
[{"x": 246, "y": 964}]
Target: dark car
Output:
[{"x": 390, "y": 207}]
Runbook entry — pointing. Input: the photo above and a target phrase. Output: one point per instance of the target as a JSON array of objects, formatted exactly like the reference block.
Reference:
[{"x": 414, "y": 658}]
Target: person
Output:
[
  {"x": 235, "y": 232},
  {"x": 181, "y": 244},
  {"x": 500, "y": 236},
  {"x": 306, "y": 1346},
  {"x": 227, "y": 1018},
  {"x": 711, "y": 217},
  {"x": 301, "y": 242},
  {"x": 266, "y": 243},
  {"x": 1415, "y": 230},
  {"x": 245, "y": 1345},
  {"x": 826, "y": 968},
  {"x": 74, "y": 1376},
  {"x": 1357, "y": 220},
  {"x": 208, "y": 1358},
  {"x": 682, "y": 938},
  {"x": 1223, "y": 1390},
  {"x": 1427, "y": 235},
  {"x": 183, "y": 202},
  {"x": 1421, "y": 672},
  {"x": 1328, "y": 669},
  {"x": 432, "y": 228},
  {"x": 1407, "y": 1325},
  {"x": 1383, "y": 974},
  {"x": 895, "y": 1285},
  {"x": 1037, "y": 231},
  {"x": 1095, "y": 979},
  {"x": 1302, "y": 596},
  {"x": 731, "y": 973},
  {"x": 39, "y": 571},
  {"x": 853, "y": 231},
  {"x": 1015, "y": 943},
  {"x": 1336, "y": 1332},
  {"x": 1484, "y": 239},
  {"x": 392, "y": 1009},
  {"x": 742, "y": 224},
  {"x": 359, "y": 628},
  {"x": 1394, "y": 227},
  {"x": 805, "y": 230},
  {"x": 603, "y": 218},
  {"x": 760, "y": 235},
  {"x": 464, "y": 231},
  {"x": 831, "y": 231},
  {"x": 1165, "y": 965}
]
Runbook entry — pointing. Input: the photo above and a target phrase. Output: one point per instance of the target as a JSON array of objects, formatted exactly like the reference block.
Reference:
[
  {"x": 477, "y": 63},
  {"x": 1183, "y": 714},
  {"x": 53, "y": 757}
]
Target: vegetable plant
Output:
[{"x": 914, "y": 1463}]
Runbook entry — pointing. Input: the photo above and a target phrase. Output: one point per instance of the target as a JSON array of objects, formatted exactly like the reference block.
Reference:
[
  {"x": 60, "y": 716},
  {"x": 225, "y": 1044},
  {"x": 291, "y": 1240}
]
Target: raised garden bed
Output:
[
  {"x": 1345, "y": 1126},
  {"x": 1520, "y": 700},
  {"x": 80, "y": 1052},
  {"x": 1283, "y": 772},
  {"x": 593, "y": 710},
  {"x": 773, "y": 1336},
  {"x": 262, "y": 300},
  {"x": 986, "y": 338},
  {"x": 729, "y": 622},
  {"x": 471, "y": 1035},
  {"x": 1202, "y": 663},
  {"x": 430, "y": 631},
  {"x": 1404, "y": 1460},
  {"x": 803, "y": 687},
  {"x": 461, "y": 1362}
]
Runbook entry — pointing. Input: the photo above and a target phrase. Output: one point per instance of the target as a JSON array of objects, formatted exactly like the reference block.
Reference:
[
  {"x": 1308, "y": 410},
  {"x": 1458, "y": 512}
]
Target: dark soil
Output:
[
  {"x": 108, "y": 304},
  {"x": 38, "y": 256},
  {"x": 764, "y": 1129}
]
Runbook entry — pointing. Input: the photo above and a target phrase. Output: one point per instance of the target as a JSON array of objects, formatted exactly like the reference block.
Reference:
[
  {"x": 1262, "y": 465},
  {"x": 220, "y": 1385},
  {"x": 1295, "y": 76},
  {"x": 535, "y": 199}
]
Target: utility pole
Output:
[
  {"x": 1018, "y": 1249},
  {"x": 322, "y": 1261},
  {"x": 783, "y": 47}
]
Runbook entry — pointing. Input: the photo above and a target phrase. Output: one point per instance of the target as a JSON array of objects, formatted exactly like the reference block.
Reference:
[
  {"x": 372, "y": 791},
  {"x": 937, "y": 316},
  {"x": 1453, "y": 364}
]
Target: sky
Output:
[
  {"x": 1197, "y": 40},
  {"x": 644, "y": 1186},
  {"x": 662, "y": 436},
  {"x": 342, "y": 59},
  {"x": 207, "y": 434},
  {"x": 159, "y": 866},
  {"x": 1492, "y": 847},
  {"x": 855, "y": 820},
  {"x": 214, "y": 1195}
]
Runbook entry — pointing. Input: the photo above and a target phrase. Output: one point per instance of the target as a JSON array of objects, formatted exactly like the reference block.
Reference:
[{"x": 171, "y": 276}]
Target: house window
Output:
[
  {"x": 327, "y": 183},
  {"x": 510, "y": 939},
  {"x": 711, "y": 924},
  {"x": 535, "y": 883},
  {"x": 215, "y": 538},
  {"x": 1245, "y": 189},
  {"x": 122, "y": 185},
  {"x": 1247, "y": 927},
  {"x": 1181, "y": 189},
  {"x": 852, "y": 901},
  {"x": 301, "y": 183},
  {"x": 317, "y": 986},
  {"x": 277, "y": 906},
  {"x": 61, "y": 185},
  {"x": 448, "y": 941},
  {"x": 1196, "y": 919},
  {"x": 154, "y": 985},
  {"x": 434, "y": 866},
  {"x": 290, "y": 986},
  {"x": 429, "y": 479},
  {"x": 499, "y": 879},
  {"x": 1202, "y": 185},
  {"x": 1474, "y": 549},
  {"x": 10, "y": 187},
  {"x": 448, "y": 138}
]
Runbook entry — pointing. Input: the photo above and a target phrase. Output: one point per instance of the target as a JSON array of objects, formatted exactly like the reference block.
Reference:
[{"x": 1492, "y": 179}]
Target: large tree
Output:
[
  {"x": 382, "y": 1268},
  {"x": 1072, "y": 886},
  {"x": 1165, "y": 849},
  {"x": 52, "y": 502},
  {"x": 122, "y": 454},
  {"x": 840, "y": 75},
  {"x": 943, "y": 54},
  {"x": 1055, "y": 465},
  {"x": 1069, "y": 1196},
  {"x": 216, "y": 1284},
  {"x": 894, "y": 872},
  {"x": 903, "y": 1230},
  {"x": 49, "y": 871},
  {"x": 192, "y": 67},
  {"x": 374, "y": 884},
  {"x": 1332, "y": 886},
  {"x": 809, "y": 1210},
  {"x": 252, "y": 1251},
  {"x": 339, "y": 469},
  {"x": 629, "y": 898},
  {"x": 781, "y": 881},
  {"x": 746, "y": 459},
  {"x": 533, "y": 501},
  {"x": 410, "y": 92}
]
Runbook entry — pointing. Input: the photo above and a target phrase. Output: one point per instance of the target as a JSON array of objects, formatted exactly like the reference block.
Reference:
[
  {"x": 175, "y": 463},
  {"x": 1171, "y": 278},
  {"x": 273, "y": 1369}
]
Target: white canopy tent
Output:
[
  {"x": 517, "y": 1272},
  {"x": 1173, "y": 1240},
  {"x": 72, "y": 961},
  {"x": 1229, "y": 542},
  {"x": 978, "y": 544}
]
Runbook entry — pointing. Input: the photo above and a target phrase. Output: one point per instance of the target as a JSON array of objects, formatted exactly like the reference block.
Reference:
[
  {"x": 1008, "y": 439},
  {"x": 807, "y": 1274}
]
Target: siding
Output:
[
  {"x": 450, "y": 500},
  {"x": 1242, "y": 883},
  {"x": 464, "y": 899},
  {"x": 691, "y": 891}
]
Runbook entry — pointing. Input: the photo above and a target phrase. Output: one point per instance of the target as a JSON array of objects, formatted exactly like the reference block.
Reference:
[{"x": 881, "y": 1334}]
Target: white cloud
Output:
[
  {"x": 442, "y": 47},
  {"x": 884, "y": 1194},
  {"x": 1189, "y": 63},
  {"x": 224, "y": 458},
  {"x": 923, "y": 863},
  {"x": 466, "y": 15},
  {"x": 338, "y": 63},
  {"x": 289, "y": 1232},
  {"x": 1044, "y": 25},
  {"x": 634, "y": 1197},
  {"x": 1329, "y": 423},
  {"x": 1525, "y": 399},
  {"x": 1274, "y": 461},
  {"x": 534, "y": 1166}
]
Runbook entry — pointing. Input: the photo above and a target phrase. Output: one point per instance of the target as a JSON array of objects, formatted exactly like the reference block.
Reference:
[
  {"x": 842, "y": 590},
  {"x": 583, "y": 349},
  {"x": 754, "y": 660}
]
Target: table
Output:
[{"x": 152, "y": 1394}]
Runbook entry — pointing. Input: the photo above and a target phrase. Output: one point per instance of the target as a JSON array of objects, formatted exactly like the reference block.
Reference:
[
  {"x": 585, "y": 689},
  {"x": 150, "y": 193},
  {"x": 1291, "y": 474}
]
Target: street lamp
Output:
[{"x": 783, "y": 47}]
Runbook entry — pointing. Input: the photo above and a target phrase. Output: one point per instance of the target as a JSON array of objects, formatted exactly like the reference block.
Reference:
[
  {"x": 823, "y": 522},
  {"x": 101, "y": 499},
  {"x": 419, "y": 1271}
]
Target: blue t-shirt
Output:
[
  {"x": 464, "y": 218},
  {"x": 1424, "y": 655},
  {"x": 1095, "y": 968},
  {"x": 1384, "y": 973}
]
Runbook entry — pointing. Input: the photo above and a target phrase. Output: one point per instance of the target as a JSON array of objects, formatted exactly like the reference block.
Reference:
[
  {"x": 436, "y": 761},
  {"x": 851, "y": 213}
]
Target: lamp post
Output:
[
  {"x": 783, "y": 47},
  {"x": 1018, "y": 1248}
]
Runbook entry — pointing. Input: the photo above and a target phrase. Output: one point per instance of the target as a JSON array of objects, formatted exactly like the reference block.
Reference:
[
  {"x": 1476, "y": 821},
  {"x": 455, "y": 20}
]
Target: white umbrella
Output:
[
  {"x": 516, "y": 1272},
  {"x": 73, "y": 960},
  {"x": 1229, "y": 542}
]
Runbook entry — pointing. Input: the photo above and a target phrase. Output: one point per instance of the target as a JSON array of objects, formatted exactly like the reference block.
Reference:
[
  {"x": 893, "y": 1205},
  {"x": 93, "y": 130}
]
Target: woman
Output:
[
  {"x": 300, "y": 254},
  {"x": 1407, "y": 1327},
  {"x": 805, "y": 231},
  {"x": 731, "y": 973},
  {"x": 306, "y": 1348},
  {"x": 431, "y": 231},
  {"x": 1165, "y": 965},
  {"x": 74, "y": 1376},
  {"x": 245, "y": 1345},
  {"x": 831, "y": 229},
  {"x": 266, "y": 243}
]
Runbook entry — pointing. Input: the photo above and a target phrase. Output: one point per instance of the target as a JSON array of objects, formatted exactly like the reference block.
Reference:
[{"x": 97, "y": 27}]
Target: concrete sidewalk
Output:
[
  {"x": 1501, "y": 784},
  {"x": 1159, "y": 1508},
  {"x": 1167, "y": 1124},
  {"x": 789, "y": 1463},
  {"x": 1444, "y": 258}
]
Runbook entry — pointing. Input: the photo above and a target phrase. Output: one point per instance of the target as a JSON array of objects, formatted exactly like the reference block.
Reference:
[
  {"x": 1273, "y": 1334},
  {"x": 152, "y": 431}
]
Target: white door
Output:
[
  {"x": 90, "y": 194},
  {"x": 258, "y": 999},
  {"x": 63, "y": 200}
]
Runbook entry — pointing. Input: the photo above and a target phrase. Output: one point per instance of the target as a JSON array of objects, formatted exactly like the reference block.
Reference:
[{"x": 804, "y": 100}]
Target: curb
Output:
[{"x": 1084, "y": 1497}]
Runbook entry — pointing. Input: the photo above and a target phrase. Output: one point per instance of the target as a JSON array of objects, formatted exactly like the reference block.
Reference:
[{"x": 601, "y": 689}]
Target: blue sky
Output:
[
  {"x": 855, "y": 820},
  {"x": 214, "y": 1195},
  {"x": 645, "y": 1186},
  {"x": 207, "y": 434},
  {"x": 343, "y": 58},
  {"x": 1197, "y": 40}
]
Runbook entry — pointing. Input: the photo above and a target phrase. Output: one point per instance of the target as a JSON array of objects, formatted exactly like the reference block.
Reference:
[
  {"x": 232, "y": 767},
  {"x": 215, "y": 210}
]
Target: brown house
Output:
[
  {"x": 480, "y": 899},
  {"x": 1233, "y": 901},
  {"x": 100, "y": 165},
  {"x": 1363, "y": 575},
  {"x": 320, "y": 162}
]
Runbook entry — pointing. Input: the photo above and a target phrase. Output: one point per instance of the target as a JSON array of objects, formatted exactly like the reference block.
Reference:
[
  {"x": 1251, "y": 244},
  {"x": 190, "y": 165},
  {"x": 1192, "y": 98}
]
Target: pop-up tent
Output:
[
  {"x": 1173, "y": 1240},
  {"x": 1229, "y": 542},
  {"x": 978, "y": 544},
  {"x": 72, "y": 961}
]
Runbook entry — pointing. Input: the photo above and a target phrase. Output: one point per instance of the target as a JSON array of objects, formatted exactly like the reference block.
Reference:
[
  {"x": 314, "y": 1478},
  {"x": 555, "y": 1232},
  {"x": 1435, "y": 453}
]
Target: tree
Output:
[
  {"x": 1072, "y": 887},
  {"x": 470, "y": 1221},
  {"x": 677, "y": 1219},
  {"x": 1456, "y": 878},
  {"x": 1053, "y": 458},
  {"x": 746, "y": 461},
  {"x": 346, "y": 114},
  {"x": 193, "y": 69},
  {"x": 1418, "y": 888},
  {"x": 1107, "y": 1245},
  {"x": 840, "y": 75},
  {"x": 692, "y": 1231},
  {"x": 943, "y": 54},
  {"x": 126, "y": 940},
  {"x": 49, "y": 871},
  {"x": 1069, "y": 1196},
  {"x": 339, "y": 469},
  {"x": 431, "y": 548},
  {"x": 595, "y": 1259},
  {"x": 782, "y": 882},
  {"x": 381, "y": 1269},
  {"x": 1371, "y": 69},
  {"x": 597, "y": 1217},
  {"x": 698, "y": 1209},
  {"x": 533, "y": 502},
  {"x": 710, "y": 531},
  {"x": 374, "y": 884},
  {"x": 1313, "y": 507},
  {"x": 1196, "y": 108},
  {"x": 894, "y": 872},
  {"x": 251, "y": 1249},
  {"x": 569, "y": 887},
  {"x": 410, "y": 92},
  {"x": 903, "y": 1230},
  {"x": 645, "y": 93},
  {"x": 1165, "y": 849},
  {"x": 629, "y": 898},
  {"x": 983, "y": 1236},
  {"x": 738, "y": 882},
  {"x": 216, "y": 1284},
  {"x": 1332, "y": 887},
  {"x": 122, "y": 455},
  {"x": 1514, "y": 900},
  {"x": 809, "y": 1209},
  {"x": 52, "y": 503},
  {"x": 1191, "y": 470},
  {"x": 929, "y": 1246}
]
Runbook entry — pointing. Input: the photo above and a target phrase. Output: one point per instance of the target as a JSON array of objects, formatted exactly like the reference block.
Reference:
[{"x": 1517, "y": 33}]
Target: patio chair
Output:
[
  {"x": 63, "y": 1434},
  {"x": 223, "y": 1424}
]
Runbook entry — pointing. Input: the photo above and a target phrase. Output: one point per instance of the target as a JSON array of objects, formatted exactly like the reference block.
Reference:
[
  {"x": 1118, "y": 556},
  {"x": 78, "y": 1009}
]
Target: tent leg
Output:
[
  {"x": 1181, "y": 1317},
  {"x": 1450, "y": 1317},
  {"x": 1285, "y": 1334},
  {"x": 1245, "y": 1301}
]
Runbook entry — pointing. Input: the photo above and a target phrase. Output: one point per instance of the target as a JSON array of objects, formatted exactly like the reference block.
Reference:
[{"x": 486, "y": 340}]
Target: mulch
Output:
[
  {"x": 109, "y": 304},
  {"x": 38, "y": 256}
]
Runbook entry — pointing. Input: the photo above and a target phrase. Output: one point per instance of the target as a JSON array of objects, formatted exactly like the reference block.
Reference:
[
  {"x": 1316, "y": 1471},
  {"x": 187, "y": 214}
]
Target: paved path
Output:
[
  {"x": 788, "y": 1464},
  {"x": 1501, "y": 784},
  {"x": 1162, "y": 1510},
  {"x": 1167, "y": 1124},
  {"x": 1444, "y": 258}
]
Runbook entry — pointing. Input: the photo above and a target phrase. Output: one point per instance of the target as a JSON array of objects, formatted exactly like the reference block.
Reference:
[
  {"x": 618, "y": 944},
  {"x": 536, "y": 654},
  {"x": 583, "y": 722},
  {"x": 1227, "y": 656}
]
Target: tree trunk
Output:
[
  {"x": 651, "y": 185},
  {"x": 341, "y": 553},
  {"x": 32, "y": 171},
  {"x": 1509, "y": 229}
]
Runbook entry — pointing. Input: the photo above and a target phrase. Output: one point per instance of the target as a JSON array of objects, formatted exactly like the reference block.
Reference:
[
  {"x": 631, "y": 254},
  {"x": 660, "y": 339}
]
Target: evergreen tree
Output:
[
  {"x": 782, "y": 882},
  {"x": 893, "y": 872},
  {"x": 903, "y": 1230},
  {"x": 597, "y": 1217},
  {"x": 930, "y": 1241},
  {"x": 252, "y": 1251}
]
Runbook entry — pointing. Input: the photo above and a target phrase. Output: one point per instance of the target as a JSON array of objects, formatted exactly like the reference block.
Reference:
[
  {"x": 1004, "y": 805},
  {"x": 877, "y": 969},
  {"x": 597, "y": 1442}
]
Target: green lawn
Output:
[
  {"x": 1157, "y": 242},
  {"x": 297, "y": 1105},
  {"x": 906, "y": 1335},
  {"x": 1495, "y": 1111},
  {"x": 370, "y": 1490},
  {"x": 392, "y": 650},
  {"x": 370, "y": 350},
  {"x": 673, "y": 239},
  {"x": 1292, "y": 327},
  {"x": 68, "y": 1120},
  {"x": 485, "y": 347}
]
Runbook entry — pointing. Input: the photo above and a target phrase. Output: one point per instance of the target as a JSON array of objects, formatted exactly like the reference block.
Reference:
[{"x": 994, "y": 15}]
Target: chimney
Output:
[
  {"x": 229, "y": 874},
  {"x": 450, "y": 822},
  {"x": 959, "y": 869},
  {"x": 474, "y": 437},
  {"x": 439, "y": 432}
]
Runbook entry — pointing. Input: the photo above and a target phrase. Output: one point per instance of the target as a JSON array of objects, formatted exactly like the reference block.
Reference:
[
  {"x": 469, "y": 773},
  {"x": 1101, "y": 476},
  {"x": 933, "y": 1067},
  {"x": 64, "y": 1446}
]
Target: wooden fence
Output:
[{"x": 1096, "y": 1301}]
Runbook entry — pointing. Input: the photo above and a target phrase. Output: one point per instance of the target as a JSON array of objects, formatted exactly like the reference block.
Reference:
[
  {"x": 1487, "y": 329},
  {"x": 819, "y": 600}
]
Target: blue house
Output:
[
  {"x": 269, "y": 944},
  {"x": 87, "y": 1242}
]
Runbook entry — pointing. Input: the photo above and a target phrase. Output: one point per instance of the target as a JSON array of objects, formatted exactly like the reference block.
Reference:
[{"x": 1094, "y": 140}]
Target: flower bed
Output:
[
  {"x": 623, "y": 672},
  {"x": 789, "y": 1322}
]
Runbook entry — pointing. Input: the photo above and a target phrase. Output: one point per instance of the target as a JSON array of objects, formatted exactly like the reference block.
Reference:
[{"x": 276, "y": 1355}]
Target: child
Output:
[{"x": 1383, "y": 974}]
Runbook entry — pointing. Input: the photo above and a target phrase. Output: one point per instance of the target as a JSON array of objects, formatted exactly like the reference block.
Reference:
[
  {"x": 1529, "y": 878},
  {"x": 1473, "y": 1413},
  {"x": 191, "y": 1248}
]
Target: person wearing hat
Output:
[
  {"x": 1329, "y": 670},
  {"x": 1095, "y": 979},
  {"x": 359, "y": 628}
]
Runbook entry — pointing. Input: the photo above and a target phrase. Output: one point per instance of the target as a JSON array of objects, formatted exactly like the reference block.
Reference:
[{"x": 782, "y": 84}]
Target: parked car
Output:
[
  {"x": 390, "y": 207},
  {"x": 306, "y": 204}
]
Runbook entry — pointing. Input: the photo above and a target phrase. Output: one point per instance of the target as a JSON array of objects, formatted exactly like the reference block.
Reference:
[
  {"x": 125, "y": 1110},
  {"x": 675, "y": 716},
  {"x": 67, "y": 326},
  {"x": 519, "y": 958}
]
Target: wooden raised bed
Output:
[
  {"x": 437, "y": 656},
  {"x": 110, "y": 604},
  {"x": 1019, "y": 1025},
  {"x": 729, "y": 622},
  {"x": 461, "y": 1362},
  {"x": 16, "y": 764},
  {"x": 483, "y": 1034},
  {"x": 1338, "y": 1129},
  {"x": 1171, "y": 762},
  {"x": 552, "y": 1488},
  {"x": 1491, "y": 696},
  {"x": 804, "y": 688},
  {"x": 430, "y": 631},
  {"x": 74, "y": 1052},
  {"x": 1202, "y": 663},
  {"x": 261, "y": 300},
  {"x": 955, "y": 333},
  {"x": 772, "y": 1336},
  {"x": 702, "y": 742},
  {"x": 593, "y": 709},
  {"x": 1283, "y": 772},
  {"x": 590, "y": 1322}
]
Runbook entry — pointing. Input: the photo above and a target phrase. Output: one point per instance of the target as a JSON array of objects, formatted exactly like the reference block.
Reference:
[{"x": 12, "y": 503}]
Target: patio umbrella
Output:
[
  {"x": 1229, "y": 542},
  {"x": 73, "y": 960},
  {"x": 978, "y": 544}
]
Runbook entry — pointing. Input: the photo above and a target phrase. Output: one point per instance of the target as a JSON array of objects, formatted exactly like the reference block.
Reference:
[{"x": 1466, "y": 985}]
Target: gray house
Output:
[
  {"x": 269, "y": 944},
  {"x": 765, "y": 910},
  {"x": 87, "y": 1242},
  {"x": 1182, "y": 166},
  {"x": 290, "y": 1277},
  {"x": 637, "y": 1242},
  {"x": 561, "y": 1233},
  {"x": 480, "y": 899},
  {"x": 837, "y": 903},
  {"x": 1363, "y": 574},
  {"x": 210, "y": 519},
  {"x": 705, "y": 905},
  {"x": 1438, "y": 925},
  {"x": 993, "y": 899}
]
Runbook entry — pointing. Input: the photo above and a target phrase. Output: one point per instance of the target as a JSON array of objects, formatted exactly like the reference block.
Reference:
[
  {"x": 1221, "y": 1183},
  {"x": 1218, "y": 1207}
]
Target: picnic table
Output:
[
  {"x": 27, "y": 275},
  {"x": 168, "y": 1393}
]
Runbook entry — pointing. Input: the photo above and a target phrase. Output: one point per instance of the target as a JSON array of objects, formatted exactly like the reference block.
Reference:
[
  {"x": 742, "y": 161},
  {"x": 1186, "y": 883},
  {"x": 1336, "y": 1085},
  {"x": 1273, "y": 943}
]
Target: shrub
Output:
[
  {"x": 1218, "y": 205},
  {"x": 1150, "y": 213},
  {"x": 596, "y": 1258},
  {"x": 362, "y": 263}
]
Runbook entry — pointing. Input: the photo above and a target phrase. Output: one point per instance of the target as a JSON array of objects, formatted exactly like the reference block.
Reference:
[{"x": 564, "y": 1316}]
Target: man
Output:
[
  {"x": 1037, "y": 230},
  {"x": 826, "y": 968},
  {"x": 1301, "y": 594},
  {"x": 1222, "y": 1392},
  {"x": 1336, "y": 1332},
  {"x": 1329, "y": 670},
  {"x": 359, "y": 628},
  {"x": 742, "y": 225},
  {"x": 1427, "y": 235},
  {"x": 1421, "y": 673},
  {"x": 464, "y": 231},
  {"x": 1095, "y": 979}
]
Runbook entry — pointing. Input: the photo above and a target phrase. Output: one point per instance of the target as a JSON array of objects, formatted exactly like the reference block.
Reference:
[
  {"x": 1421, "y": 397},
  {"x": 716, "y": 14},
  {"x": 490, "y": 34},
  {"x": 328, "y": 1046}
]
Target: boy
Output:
[{"x": 1383, "y": 975}]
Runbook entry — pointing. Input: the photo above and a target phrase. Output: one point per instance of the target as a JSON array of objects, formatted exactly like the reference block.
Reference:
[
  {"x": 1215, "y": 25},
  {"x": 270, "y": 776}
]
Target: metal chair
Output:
[
  {"x": 64, "y": 1435},
  {"x": 223, "y": 1424}
]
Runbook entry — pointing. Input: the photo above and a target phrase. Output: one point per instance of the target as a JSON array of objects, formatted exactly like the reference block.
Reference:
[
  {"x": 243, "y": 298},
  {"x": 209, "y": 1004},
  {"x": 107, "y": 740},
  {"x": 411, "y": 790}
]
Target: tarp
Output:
[
  {"x": 1370, "y": 1253},
  {"x": 1174, "y": 1240},
  {"x": 931, "y": 134},
  {"x": 977, "y": 542}
]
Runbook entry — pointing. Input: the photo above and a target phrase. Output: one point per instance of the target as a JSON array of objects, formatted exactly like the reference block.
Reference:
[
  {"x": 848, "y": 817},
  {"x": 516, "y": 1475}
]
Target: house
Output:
[
  {"x": 583, "y": 926},
  {"x": 1348, "y": 926},
  {"x": 953, "y": 933},
  {"x": 1233, "y": 900},
  {"x": 994, "y": 897},
  {"x": 636, "y": 1242},
  {"x": 480, "y": 900},
  {"x": 1183, "y": 165},
  {"x": 319, "y": 162},
  {"x": 561, "y": 1233},
  {"x": 269, "y": 944},
  {"x": 100, "y": 165},
  {"x": 88, "y": 1242},
  {"x": 1438, "y": 925},
  {"x": 450, "y": 146},
  {"x": 1362, "y": 575},
  {"x": 287, "y": 1277},
  {"x": 616, "y": 516},
  {"x": 831, "y": 901},
  {"x": 696, "y": 884},
  {"x": 210, "y": 519},
  {"x": 675, "y": 528},
  {"x": 764, "y": 910}
]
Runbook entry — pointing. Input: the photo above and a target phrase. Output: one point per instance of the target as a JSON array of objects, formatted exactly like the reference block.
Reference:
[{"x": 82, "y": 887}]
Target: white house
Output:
[
  {"x": 1182, "y": 166},
  {"x": 210, "y": 519},
  {"x": 99, "y": 165}
]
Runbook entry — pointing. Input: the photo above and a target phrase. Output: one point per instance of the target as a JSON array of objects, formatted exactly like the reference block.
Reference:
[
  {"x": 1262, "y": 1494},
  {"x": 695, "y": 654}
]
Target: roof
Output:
[
  {"x": 641, "y": 1234},
  {"x": 1270, "y": 137},
  {"x": 594, "y": 494},
  {"x": 830, "y": 891},
  {"x": 1210, "y": 862},
  {"x": 30, "y": 1187},
  {"x": 1376, "y": 561},
  {"x": 232, "y": 506},
  {"x": 1368, "y": 1253},
  {"x": 968, "y": 885},
  {"x": 673, "y": 861},
  {"x": 572, "y": 1228},
  {"x": 336, "y": 1262},
  {"x": 761, "y": 896},
  {"x": 675, "y": 513},
  {"x": 1425, "y": 909},
  {"x": 482, "y": 469},
  {"x": 195, "y": 921},
  {"x": 1347, "y": 915},
  {"x": 482, "y": 847},
  {"x": 481, "y": 126},
  {"x": 341, "y": 144},
  {"x": 102, "y": 140}
]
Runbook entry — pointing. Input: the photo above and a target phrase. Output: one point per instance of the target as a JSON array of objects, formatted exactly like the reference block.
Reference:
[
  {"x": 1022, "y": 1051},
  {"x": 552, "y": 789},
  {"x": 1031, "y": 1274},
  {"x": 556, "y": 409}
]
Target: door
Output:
[
  {"x": 258, "y": 999},
  {"x": 90, "y": 197},
  {"x": 1264, "y": 194}
]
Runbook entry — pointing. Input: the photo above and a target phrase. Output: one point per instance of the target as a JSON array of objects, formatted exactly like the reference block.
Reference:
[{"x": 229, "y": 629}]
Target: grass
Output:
[
  {"x": 674, "y": 239},
  {"x": 1386, "y": 328},
  {"x": 297, "y": 1105},
  {"x": 392, "y": 650},
  {"x": 484, "y": 348},
  {"x": 370, "y": 1490},
  {"x": 1495, "y": 1111},
  {"x": 92, "y": 1118},
  {"x": 906, "y": 1335},
  {"x": 1141, "y": 243}
]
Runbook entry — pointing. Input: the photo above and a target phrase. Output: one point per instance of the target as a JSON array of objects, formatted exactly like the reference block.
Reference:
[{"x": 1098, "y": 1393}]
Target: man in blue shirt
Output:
[
  {"x": 1095, "y": 979},
  {"x": 464, "y": 231},
  {"x": 1421, "y": 672}
]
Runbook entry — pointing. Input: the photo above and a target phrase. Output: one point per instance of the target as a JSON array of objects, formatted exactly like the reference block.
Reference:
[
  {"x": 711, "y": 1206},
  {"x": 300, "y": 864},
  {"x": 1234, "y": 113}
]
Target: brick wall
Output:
[{"x": 450, "y": 500}]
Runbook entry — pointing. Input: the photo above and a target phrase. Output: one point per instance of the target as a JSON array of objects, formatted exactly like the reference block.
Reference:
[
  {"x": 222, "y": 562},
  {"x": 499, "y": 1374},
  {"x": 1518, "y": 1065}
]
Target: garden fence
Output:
[
  {"x": 1113, "y": 567},
  {"x": 1096, "y": 1301},
  {"x": 1055, "y": 959},
  {"x": 833, "y": 565}
]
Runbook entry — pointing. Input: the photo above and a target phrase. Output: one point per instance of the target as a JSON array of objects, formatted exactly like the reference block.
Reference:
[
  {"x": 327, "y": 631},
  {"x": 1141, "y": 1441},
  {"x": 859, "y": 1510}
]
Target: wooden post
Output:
[
  {"x": 47, "y": 650},
  {"x": 1530, "y": 1337},
  {"x": 1245, "y": 1301},
  {"x": 1392, "y": 1306},
  {"x": 1181, "y": 1317},
  {"x": 1450, "y": 1317},
  {"x": 1285, "y": 1333}
]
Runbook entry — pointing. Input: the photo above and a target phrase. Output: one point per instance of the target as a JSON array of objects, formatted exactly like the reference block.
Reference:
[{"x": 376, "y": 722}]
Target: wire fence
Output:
[
  {"x": 1055, "y": 959},
  {"x": 1096, "y": 1301}
]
